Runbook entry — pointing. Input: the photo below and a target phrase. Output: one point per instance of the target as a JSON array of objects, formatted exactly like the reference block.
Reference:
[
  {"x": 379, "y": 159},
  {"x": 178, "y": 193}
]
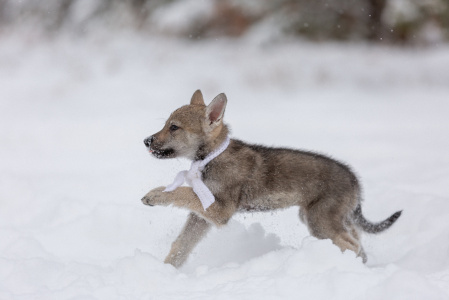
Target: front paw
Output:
[{"x": 155, "y": 197}]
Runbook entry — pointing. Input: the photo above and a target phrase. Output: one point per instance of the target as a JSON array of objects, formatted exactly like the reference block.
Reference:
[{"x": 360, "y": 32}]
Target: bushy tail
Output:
[{"x": 369, "y": 227}]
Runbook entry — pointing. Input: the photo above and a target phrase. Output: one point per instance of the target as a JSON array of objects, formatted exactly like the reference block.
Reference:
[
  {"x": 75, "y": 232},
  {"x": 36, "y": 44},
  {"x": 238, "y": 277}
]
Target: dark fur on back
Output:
[{"x": 262, "y": 172}]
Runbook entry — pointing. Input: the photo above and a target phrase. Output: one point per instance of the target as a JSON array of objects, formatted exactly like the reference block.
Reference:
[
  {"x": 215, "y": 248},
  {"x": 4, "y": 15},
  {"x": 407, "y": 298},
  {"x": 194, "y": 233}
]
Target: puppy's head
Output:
[{"x": 190, "y": 130}]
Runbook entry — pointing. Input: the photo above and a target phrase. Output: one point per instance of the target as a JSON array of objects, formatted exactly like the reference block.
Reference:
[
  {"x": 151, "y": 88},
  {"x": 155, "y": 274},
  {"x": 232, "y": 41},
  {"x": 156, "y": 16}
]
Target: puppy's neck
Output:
[{"x": 216, "y": 139}]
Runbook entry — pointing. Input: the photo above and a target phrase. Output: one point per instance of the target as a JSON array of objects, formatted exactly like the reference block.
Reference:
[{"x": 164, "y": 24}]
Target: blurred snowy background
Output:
[
  {"x": 415, "y": 21},
  {"x": 83, "y": 82}
]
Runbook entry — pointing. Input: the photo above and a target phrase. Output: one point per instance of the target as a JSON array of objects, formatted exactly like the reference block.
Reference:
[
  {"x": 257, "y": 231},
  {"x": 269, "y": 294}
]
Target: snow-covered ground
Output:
[{"x": 73, "y": 168}]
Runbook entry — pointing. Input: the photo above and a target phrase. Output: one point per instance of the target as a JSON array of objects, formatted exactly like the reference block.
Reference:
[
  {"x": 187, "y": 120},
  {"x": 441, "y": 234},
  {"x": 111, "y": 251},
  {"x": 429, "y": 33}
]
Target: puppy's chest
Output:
[
  {"x": 214, "y": 186},
  {"x": 213, "y": 181},
  {"x": 220, "y": 177}
]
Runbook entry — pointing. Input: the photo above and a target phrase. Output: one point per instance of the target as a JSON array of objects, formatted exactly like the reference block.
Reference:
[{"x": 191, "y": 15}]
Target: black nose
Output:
[{"x": 148, "y": 141}]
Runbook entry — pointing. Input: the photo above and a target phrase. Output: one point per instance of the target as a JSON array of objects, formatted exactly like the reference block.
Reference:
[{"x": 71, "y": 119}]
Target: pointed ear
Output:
[
  {"x": 215, "y": 110},
  {"x": 197, "y": 98}
]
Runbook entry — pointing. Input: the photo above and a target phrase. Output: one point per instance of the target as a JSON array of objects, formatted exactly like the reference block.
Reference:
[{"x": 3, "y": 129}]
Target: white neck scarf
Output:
[{"x": 193, "y": 177}]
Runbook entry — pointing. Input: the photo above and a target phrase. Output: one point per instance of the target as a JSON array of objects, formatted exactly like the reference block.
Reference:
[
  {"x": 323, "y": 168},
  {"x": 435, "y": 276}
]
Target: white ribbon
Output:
[{"x": 193, "y": 177}]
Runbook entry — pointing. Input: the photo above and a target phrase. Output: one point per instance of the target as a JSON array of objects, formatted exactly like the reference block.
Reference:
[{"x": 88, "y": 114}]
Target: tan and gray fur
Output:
[{"x": 251, "y": 178}]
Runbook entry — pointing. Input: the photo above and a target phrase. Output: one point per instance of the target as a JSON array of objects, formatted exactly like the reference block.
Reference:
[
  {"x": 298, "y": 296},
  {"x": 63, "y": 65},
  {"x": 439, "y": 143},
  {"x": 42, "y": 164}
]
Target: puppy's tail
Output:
[{"x": 369, "y": 227}]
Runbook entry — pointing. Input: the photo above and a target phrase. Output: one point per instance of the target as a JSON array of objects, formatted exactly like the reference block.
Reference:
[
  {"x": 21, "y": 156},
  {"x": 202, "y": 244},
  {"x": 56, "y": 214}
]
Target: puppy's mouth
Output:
[{"x": 162, "y": 153}]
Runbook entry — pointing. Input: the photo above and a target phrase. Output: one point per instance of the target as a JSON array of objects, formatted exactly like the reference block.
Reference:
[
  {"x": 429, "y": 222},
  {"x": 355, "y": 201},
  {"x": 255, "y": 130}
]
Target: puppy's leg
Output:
[
  {"x": 326, "y": 220},
  {"x": 194, "y": 230},
  {"x": 345, "y": 241},
  {"x": 302, "y": 216},
  {"x": 157, "y": 197},
  {"x": 184, "y": 197},
  {"x": 356, "y": 234}
]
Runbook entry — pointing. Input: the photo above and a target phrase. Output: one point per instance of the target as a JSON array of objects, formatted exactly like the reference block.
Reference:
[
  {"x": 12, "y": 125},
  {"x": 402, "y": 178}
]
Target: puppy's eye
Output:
[{"x": 173, "y": 128}]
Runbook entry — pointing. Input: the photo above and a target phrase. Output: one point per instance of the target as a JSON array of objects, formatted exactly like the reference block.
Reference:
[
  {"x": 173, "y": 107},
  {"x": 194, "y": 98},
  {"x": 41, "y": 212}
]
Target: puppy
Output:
[{"x": 229, "y": 176}]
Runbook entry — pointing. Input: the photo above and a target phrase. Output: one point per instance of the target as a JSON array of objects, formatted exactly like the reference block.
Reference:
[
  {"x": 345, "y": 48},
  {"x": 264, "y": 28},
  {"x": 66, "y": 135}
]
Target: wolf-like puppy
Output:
[{"x": 251, "y": 178}]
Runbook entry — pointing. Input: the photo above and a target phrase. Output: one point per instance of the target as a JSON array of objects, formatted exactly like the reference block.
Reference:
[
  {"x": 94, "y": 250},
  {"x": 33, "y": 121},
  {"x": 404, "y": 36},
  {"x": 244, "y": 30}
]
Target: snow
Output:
[{"x": 73, "y": 167}]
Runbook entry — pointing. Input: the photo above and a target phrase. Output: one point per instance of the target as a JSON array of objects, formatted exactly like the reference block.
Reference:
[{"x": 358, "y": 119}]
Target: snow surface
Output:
[{"x": 73, "y": 167}]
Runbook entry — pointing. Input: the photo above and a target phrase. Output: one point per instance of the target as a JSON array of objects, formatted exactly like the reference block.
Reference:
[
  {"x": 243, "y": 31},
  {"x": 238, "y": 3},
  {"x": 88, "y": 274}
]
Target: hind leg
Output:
[
  {"x": 302, "y": 216},
  {"x": 345, "y": 241},
  {"x": 326, "y": 220},
  {"x": 362, "y": 254},
  {"x": 355, "y": 233}
]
